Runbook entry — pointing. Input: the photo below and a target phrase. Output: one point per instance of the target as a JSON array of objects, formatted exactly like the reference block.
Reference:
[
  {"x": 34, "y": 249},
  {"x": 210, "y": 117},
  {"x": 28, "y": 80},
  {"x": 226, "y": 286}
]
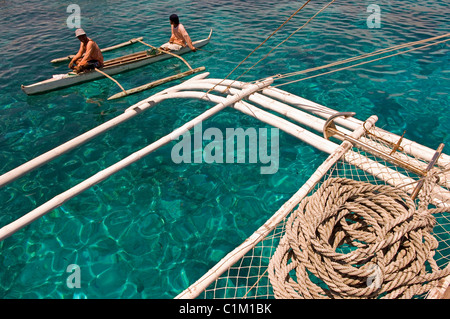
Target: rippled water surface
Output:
[{"x": 154, "y": 228}]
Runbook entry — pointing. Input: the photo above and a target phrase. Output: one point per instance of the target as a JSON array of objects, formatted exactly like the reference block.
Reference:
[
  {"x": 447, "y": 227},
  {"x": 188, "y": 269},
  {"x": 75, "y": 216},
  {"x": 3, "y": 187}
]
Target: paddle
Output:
[{"x": 111, "y": 78}]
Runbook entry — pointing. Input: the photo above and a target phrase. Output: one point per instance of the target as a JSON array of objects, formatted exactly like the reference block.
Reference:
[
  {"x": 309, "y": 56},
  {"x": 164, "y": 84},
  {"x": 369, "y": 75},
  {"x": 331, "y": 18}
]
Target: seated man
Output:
[
  {"x": 92, "y": 58},
  {"x": 180, "y": 38}
]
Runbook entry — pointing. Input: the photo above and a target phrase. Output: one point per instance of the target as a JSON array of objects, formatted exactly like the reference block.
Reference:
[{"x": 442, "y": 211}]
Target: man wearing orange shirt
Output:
[
  {"x": 180, "y": 38},
  {"x": 92, "y": 57}
]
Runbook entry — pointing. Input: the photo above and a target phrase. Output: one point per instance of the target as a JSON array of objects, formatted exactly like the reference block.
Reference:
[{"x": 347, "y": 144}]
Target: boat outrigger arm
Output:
[
  {"x": 111, "y": 67},
  {"x": 306, "y": 117}
]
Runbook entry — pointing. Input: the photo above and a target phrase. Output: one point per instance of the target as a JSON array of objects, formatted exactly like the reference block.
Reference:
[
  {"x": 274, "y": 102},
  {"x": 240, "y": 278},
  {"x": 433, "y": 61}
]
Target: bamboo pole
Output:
[
  {"x": 167, "y": 52},
  {"x": 121, "y": 45},
  {"x": 125, "y": 59},
  {"x": 60, "y": 199},
  {"x": 111, "y": 78},
  {"x": 117, "y": 46},
  {"x": 156, "y": 83}
]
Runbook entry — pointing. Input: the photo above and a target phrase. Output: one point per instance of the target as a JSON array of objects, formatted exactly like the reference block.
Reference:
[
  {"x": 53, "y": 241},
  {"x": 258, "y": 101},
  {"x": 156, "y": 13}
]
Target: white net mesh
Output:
[{"x": 248, "y": 278}]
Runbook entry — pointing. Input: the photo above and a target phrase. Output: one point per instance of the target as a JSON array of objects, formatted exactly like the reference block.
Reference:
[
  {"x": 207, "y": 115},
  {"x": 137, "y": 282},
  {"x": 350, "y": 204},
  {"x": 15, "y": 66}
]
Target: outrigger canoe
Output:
[{"x": 111, "y": 67}]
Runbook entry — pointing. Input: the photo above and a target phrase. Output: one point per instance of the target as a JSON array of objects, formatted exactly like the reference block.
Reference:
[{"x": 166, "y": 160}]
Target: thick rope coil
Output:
[{"x": 353, "y": 239}]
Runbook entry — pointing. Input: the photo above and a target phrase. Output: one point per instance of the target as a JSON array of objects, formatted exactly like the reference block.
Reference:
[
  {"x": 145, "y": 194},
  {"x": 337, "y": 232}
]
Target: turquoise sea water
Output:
[{"x": 154, "y": 228}]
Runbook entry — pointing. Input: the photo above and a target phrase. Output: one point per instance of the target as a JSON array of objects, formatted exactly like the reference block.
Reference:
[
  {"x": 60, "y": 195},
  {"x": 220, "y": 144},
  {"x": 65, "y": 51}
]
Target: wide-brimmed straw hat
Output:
[{"x": 79, "y": 32}]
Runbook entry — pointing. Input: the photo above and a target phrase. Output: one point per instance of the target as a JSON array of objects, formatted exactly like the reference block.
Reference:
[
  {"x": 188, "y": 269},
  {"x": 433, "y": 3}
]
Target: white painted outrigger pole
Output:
[
  {"x": 129, "y": 113},
  {"x": 60, "y": 199}
]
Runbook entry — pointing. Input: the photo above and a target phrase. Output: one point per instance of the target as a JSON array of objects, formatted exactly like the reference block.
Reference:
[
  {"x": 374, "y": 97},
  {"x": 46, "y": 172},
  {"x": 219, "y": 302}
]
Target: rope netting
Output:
[{"x": 357, "y": 234}]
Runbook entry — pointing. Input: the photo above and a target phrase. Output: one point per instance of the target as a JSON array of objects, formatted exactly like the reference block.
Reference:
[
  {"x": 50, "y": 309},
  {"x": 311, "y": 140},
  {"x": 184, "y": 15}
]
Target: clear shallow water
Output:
[{"x": 156, "y": 227}]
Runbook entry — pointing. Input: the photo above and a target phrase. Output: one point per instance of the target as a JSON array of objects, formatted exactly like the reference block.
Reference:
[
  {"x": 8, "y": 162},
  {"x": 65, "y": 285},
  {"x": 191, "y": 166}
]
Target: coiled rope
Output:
[{"x": 352, "y": 239}]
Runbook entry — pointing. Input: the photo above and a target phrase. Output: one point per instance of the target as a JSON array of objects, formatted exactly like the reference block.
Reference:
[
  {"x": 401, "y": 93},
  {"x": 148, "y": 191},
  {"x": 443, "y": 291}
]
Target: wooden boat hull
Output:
[{"x": 130, "y": 62}]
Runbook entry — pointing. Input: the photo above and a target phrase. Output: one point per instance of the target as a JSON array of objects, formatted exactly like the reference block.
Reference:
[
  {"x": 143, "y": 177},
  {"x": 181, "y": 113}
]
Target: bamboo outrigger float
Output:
[{"x": 111, "y": 67}]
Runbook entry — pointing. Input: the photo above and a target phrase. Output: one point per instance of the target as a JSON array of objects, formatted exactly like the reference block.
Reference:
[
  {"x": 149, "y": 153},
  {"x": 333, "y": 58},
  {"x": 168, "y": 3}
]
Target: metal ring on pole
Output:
[{"x": 330, "y": 122}]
